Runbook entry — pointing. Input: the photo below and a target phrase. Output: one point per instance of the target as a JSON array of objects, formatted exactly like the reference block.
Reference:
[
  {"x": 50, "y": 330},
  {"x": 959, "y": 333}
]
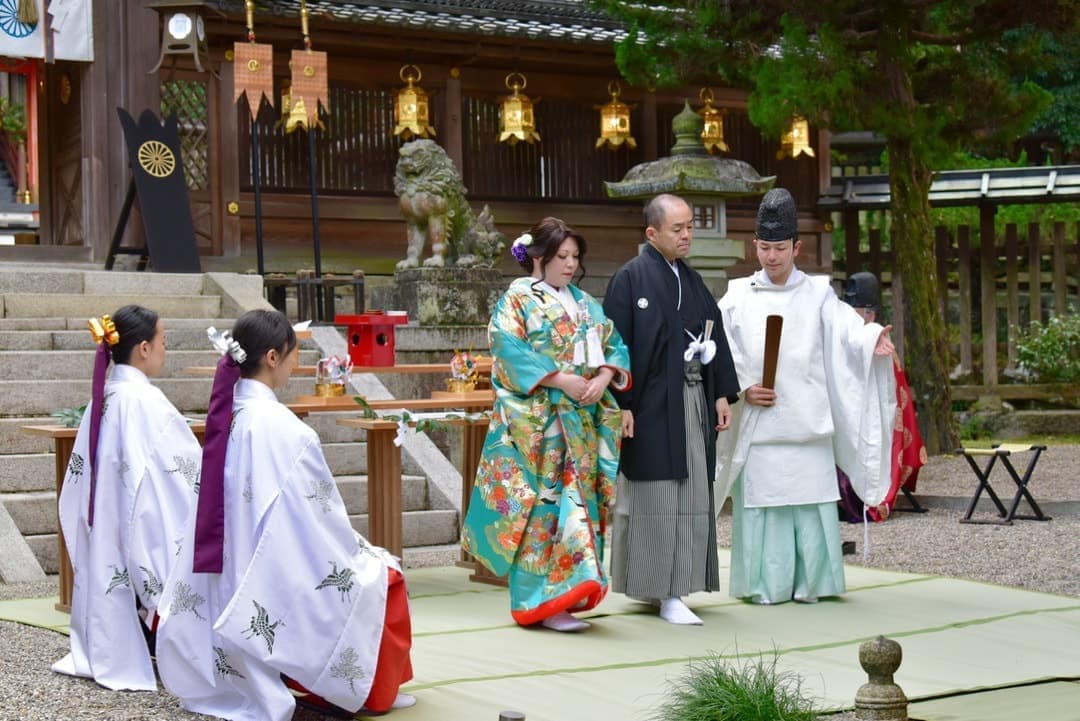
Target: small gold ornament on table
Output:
[
  {"x": 332, "y": 376},
  {"x": 463, "y": 373}
]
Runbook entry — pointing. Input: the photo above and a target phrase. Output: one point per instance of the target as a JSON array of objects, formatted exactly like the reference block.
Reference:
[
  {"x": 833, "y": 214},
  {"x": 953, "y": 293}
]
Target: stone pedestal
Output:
[
  {"x": 711, "y": 257},
  {"x": 448, "y": 296},
  {"x": 880, "y": 699}
]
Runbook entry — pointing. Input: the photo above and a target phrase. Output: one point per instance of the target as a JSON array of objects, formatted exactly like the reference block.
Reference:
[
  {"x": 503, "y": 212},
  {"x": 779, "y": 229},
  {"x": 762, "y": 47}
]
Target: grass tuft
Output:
[{"x": 750, "y": 689}]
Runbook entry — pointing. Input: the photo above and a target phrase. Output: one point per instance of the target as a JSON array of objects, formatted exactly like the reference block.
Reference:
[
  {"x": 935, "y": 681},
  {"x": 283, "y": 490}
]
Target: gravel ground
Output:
[{"x": 1028, "y": 554}]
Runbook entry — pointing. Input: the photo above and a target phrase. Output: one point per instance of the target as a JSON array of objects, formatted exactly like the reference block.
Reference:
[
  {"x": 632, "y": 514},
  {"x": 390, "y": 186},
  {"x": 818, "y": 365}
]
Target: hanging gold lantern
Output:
[
  {"x": 712, "y": 135},
  {"x": 615, "y": 120},
  {"x": 796, "y": 141},
  {"x": 516, "y": 119},
  {"x": 411, "y": 112}
]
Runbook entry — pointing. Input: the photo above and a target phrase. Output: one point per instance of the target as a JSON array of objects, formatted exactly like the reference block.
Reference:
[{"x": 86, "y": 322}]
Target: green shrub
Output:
[
  {"x": 973, "y": 427},
  {"x": 1050, "y": 352},
  {"x": 69, "y": 417},
  {"x": 715, "y": 689}
]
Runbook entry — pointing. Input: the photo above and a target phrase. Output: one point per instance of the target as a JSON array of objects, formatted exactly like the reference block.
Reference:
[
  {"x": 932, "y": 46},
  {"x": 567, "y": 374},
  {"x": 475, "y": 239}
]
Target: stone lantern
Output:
[{"x": 705, "y": 182}]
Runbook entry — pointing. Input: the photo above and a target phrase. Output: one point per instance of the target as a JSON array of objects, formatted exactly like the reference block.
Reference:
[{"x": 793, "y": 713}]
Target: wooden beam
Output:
[
  {"x": 1066, "y": 393},
  {"x": 453, "y": 126},
  {"x": 1035, "y": 272},
  {"x": 963, "y": 253},
  {"x": 228, "y": 173},
  {"x": 1061, "y": 287},
  {"x": 1012, "y": 291},
  {"x": 987, "y": 288}
]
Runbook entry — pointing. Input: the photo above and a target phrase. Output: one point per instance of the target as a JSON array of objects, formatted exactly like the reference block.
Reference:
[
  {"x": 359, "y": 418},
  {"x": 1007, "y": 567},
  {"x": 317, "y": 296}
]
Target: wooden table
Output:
[
  {"x": 384, "y": 458},
  {"x": 483, "y": 367},
  {"x": 63, "y": 443},
  {"x": 439, "y": 400}
]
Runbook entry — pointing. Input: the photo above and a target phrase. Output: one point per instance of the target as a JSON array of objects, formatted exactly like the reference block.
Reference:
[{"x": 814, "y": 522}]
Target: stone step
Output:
[
  {"x": 351, "y": 459},
  {"x": 78, "y": 323},
  {"x": 31, "y": 305},
  {"x": 29, "y": 279},
  {"x": 147, "y": 285},
  {"x": 178, "y": 336},
  {"x": 193, "y": 338},
  {"x": 431, "y": 535},
  {"x": 99, "y": 282},
  {"x": 346, "y": 459},
  {"x": 34, "y": 512},
  {"x": 28, "y": 472},
  {"x": 419, "y": 528},
  {"x": 58, "y": 365},
  {"x": 12, "y": 440},
  {"x": 22, "y": 398},
  {"x": 29, "y": 339},
  {"x": 7, "y": 324},
  {"x": 354, "y": 492},
  {"x": 199, "y": 324},
  {"x": 326, "y": 425},
  {"x": 443, "y": 554}
]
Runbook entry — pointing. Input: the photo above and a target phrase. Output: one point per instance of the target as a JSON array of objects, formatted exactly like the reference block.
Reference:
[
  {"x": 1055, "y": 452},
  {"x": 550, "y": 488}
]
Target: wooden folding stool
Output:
[{"x": 1003, "y": 451}]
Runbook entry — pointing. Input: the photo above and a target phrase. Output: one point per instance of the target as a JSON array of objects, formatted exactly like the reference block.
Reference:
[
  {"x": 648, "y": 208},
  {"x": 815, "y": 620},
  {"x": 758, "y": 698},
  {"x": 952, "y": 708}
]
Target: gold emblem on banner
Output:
[{"x": 156, "y": 159}]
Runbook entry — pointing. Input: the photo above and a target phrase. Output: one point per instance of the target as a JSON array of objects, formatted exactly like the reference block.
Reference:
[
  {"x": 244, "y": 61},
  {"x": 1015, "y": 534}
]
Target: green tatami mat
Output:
[
  {"x": 471, "y": 661},
  {"x": 35, "y": 612},
  {"x": 1053, "y": 701}
]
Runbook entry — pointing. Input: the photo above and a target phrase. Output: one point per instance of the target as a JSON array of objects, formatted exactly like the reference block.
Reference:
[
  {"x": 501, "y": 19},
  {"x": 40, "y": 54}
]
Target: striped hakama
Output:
[{"x": 664, "y": 532}]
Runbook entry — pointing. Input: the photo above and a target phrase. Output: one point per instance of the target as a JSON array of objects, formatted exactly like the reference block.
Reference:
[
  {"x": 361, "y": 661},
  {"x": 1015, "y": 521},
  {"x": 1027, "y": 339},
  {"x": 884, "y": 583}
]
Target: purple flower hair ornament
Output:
[{"x": 519, "y": 249}]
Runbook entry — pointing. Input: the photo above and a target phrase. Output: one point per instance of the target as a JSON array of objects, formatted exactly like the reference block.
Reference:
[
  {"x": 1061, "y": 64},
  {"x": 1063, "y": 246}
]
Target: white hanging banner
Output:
[{"x": 72, "y": 25}]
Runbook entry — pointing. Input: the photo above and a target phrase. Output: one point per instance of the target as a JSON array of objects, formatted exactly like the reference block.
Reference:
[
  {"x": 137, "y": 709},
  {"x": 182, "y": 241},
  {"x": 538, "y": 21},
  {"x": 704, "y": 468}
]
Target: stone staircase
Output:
[{"x": 47, "y": 357}]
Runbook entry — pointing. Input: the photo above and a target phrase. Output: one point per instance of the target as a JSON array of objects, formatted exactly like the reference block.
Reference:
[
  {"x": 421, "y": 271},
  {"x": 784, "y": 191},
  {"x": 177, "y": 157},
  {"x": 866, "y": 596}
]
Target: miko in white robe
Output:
[
  {"x": 147, "y": 482},
  {"x": 835, "y": 401},
  {"x": 300, "y": 594}
]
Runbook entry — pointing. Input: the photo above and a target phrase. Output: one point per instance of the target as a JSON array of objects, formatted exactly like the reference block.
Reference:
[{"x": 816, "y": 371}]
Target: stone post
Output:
[{"x": 880, "y": 699}]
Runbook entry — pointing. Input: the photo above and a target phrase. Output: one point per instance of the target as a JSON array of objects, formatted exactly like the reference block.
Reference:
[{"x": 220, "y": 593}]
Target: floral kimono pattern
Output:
[{"x": 547, "y": 473}]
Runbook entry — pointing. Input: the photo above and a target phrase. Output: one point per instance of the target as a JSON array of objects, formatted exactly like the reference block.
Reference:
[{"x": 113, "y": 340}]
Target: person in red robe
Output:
[{"x": 908, "y": 451}]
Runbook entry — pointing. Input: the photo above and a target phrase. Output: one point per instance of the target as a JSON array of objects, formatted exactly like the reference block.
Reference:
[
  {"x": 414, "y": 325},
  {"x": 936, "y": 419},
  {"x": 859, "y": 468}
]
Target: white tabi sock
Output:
[
  {"x": 403, "y": 700},
  {"x": 673, "y": 610},
  {"x": 563, "y": 621}
]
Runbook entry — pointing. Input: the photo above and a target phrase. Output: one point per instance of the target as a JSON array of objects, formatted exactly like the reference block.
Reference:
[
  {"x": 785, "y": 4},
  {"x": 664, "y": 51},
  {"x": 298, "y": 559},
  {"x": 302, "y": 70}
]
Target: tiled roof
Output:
[{"x": 569, "y": 20}]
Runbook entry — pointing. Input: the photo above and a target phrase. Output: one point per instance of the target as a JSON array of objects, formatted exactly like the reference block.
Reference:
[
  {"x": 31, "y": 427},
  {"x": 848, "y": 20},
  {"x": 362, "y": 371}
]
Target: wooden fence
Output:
[{"x": 992, "y": 290}]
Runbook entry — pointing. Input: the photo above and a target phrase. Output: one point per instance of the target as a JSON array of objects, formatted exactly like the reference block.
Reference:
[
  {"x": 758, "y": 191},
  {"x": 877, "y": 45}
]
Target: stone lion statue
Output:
[{"x": 432, "y": 199}]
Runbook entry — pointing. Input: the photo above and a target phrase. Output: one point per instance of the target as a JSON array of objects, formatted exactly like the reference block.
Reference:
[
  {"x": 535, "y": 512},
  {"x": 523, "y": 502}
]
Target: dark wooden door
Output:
[{"x": 61, "y": 157}]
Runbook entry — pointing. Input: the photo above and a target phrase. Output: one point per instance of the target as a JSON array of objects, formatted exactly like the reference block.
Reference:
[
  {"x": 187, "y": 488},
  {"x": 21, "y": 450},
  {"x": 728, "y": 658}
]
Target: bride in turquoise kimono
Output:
[{"x": 546, "y": 478}]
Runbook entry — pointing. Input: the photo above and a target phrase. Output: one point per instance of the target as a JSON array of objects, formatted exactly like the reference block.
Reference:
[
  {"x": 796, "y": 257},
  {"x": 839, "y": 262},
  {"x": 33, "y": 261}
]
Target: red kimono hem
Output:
[{"x": 590, "y": 591}]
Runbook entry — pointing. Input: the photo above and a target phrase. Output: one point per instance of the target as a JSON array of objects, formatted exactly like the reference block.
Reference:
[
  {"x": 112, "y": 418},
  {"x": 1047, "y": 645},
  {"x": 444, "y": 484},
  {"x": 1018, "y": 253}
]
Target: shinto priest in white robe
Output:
[
  {"x": 147, "y": 482},
  {"x": 300, "y": 592},
  {"x": 835, "y": 403}
]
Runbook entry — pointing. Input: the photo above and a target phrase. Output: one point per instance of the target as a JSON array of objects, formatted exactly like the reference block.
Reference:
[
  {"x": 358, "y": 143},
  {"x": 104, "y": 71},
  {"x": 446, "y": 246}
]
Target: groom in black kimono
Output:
[{"x": 664, "y": 530}]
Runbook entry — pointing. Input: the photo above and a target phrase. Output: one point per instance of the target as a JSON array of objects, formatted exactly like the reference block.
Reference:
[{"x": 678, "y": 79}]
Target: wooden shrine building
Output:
[{"x": 465, "y": 50}]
